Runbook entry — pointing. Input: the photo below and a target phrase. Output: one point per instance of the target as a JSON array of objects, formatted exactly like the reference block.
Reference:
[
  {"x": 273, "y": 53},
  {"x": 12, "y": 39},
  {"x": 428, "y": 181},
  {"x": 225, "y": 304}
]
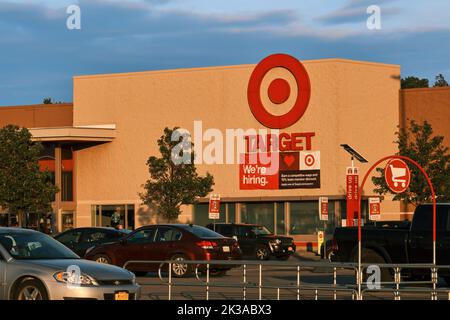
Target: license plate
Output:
[
  {"x": 226, "y": 249},
  {"x": 290, "y": 249},
  {"x": 121, "y": 296}
]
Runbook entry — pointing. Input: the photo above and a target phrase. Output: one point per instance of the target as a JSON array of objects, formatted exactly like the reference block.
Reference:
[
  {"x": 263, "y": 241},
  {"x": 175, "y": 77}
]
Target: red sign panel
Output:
[
  {"x": 374, "y": 208},
  {"x": 214, "y": 207},
  {"x": 255, "y": 172},
  {"x": 397, "y": 175},
  {"x": 352, "y": 194},
  {"x": 323, "y": 208}
]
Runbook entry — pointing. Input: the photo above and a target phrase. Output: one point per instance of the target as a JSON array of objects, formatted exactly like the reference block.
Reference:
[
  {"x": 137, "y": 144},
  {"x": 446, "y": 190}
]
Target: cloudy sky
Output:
[{"x": 39, "y": 55}]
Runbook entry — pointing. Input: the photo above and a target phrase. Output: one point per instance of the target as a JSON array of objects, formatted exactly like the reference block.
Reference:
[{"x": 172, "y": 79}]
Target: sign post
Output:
[
  {"x": 214, "y": 208},
  {"x": 323, "y": 215}
]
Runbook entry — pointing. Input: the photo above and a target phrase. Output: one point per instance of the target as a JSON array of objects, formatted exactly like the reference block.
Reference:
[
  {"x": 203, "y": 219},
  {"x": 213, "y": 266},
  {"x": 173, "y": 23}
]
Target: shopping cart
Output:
[{"x": 397, "y": 174}]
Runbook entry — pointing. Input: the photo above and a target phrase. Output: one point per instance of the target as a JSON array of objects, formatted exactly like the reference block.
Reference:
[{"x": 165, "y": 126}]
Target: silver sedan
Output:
[{"x": 34, "y": 266}]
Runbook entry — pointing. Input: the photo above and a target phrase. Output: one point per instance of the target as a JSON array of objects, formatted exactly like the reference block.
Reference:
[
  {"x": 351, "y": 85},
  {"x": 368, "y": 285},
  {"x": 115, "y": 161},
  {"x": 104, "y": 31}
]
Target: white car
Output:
[{"x": 34, "y": 266}]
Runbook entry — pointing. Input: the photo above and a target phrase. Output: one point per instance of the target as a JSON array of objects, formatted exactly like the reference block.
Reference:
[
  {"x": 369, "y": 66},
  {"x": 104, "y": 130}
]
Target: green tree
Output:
[
  {"x": 47, "y": 101},
  {"x": 414, "y": 82},
  {"x": 23, "y": 187},
  {"x": 418, "y": 143},
  {"x": 173, "y": 184},
  {"x": 440, "y": 81}
]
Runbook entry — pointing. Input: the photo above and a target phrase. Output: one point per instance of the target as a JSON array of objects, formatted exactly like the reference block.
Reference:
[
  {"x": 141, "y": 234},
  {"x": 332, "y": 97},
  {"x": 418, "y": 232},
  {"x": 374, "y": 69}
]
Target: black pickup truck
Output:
[{"x": 399, "y": 244}]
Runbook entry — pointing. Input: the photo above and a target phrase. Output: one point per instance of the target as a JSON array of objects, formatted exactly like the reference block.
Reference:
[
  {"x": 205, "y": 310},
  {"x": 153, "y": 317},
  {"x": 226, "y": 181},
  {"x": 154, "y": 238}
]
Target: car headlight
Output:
[
  {"x": 275, "y": 242},
  {"x": 75, "y": 279}
]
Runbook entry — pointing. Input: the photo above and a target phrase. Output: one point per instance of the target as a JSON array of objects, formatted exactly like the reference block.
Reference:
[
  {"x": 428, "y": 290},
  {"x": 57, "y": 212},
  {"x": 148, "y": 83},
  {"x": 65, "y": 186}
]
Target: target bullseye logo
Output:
[
  {"x": 279, "y": 91},
  {"x": 309, "y": 160}
]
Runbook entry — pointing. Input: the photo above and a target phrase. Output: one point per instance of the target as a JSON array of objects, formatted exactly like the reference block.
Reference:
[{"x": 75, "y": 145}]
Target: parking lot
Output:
[{"x": 315, "y": 284}]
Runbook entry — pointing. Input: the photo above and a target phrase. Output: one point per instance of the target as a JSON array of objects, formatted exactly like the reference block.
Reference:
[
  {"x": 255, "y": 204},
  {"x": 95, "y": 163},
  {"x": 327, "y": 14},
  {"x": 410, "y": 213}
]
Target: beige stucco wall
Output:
[{"x": 352, "y": 102}]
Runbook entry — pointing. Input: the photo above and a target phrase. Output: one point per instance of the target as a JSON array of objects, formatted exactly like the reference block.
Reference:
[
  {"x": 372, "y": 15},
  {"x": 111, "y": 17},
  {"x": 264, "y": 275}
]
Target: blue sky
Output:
[{"x": 39, "y": 55}]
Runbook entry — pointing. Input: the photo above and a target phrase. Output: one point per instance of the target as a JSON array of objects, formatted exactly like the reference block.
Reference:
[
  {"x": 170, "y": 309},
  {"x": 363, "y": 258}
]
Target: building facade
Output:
[{"x": 99, "y": 145}]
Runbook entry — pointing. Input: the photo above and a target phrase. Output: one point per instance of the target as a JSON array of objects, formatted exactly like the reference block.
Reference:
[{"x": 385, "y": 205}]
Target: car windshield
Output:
[
  {"x": 34, "y": 246},
  {"x": 260, "y": 230},
  {"x": 203, "y": 232}
]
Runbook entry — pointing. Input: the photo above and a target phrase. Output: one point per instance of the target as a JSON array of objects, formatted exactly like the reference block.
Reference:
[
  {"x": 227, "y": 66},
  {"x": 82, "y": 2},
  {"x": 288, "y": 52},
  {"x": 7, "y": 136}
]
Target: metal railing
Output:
[{"x": 358, "y": 290}]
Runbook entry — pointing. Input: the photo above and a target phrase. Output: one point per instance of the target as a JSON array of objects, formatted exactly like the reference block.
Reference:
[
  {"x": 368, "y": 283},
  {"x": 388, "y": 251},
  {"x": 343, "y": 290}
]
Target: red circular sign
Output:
[
  {"x": 397, "y": 175},
  {"x": 277, "y": 91}
]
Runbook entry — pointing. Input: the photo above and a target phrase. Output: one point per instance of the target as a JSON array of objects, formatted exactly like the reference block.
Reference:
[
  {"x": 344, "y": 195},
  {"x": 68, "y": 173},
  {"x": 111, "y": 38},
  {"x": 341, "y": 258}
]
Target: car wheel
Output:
[
  {"x": 31, "y": 289},
  {"x": 262, "y": 253},
  {"x": 180, "y": 269},
  {"x": 101, "y": 258}
]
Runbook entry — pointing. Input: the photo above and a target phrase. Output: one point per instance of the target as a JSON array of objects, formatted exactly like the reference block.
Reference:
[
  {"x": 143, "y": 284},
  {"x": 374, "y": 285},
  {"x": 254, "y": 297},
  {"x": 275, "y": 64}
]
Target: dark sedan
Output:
[
  {"x": 162, "y": 242},
  {"x": 79, "y": 240},
  {"x": 256, "y": 241}
]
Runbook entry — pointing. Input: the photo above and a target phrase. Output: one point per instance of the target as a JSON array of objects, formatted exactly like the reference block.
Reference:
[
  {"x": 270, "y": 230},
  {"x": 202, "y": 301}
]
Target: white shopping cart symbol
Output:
[{"x": 398, "y": 175}]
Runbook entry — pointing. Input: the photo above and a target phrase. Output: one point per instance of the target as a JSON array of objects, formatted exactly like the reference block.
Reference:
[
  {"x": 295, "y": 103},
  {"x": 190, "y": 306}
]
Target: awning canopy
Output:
[{"x": 89, "y": 133}]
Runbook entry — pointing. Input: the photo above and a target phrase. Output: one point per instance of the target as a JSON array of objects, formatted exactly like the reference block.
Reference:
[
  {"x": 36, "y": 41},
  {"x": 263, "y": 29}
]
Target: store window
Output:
[
  {"x": 67, "y": 221},
  {"x": 259, "y": 213},
  {"x": 304, "y": 218},
  {"x": 114, "y": 216},
  {"x": 4, "y": 217},
  {"x": 66, "y": 174},
  {"x": 281, "y": 224},
  {"x": 231, "y": 212},
  {"x": 201, "y": 214}
]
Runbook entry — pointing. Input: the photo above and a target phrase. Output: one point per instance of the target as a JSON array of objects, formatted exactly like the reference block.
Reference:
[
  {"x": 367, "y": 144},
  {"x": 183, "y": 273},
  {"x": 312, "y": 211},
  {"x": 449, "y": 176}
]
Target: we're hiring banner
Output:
[{"x": 287, "y": 170}]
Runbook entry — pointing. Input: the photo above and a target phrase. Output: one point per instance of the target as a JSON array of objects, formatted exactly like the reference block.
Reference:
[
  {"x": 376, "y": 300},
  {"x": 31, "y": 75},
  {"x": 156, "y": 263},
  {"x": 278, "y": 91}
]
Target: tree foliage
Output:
[
  {"x": 23, "y": 187},
  {"x": 172, "y": 185},
  {"x": 418, "y": 143},
  {"x": 414, "y": 82},
  {"x": 440, "y": 81}
]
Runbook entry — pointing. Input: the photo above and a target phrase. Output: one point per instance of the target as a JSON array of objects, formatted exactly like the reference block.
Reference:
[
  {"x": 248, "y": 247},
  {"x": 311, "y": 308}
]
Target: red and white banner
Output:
[
  {"x": 323, "y": 208},
  {"x": 214, "y": 206},
  {"x": 352, "y": 195},
  {"x": 374, "y": 209}
]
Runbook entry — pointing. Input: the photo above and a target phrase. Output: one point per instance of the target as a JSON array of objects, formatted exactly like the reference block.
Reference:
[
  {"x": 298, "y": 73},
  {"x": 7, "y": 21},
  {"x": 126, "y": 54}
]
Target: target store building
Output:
[{"x": 98, "y": 146}]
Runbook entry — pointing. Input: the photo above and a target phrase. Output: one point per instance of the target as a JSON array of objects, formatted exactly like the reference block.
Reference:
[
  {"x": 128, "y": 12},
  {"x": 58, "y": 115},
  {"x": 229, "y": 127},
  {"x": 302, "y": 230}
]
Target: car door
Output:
[
  {"x": 421, "y": 241},
  {"x": 443, "y": 237},
  {"x": 167, "y": 243},
  {"x": 90, "y": 238},
  {"x": 70, "y": 239},
  {"x": 245, "y": 239},
  {"x": 137, "y": 246}
]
